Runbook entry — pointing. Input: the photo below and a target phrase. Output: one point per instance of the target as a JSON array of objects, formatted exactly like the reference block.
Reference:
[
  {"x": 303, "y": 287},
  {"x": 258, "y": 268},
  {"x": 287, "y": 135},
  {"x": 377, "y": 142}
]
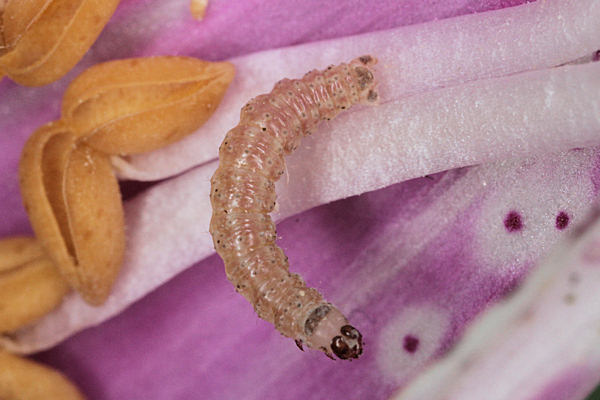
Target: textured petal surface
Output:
[
  {"x": 412, "y": 264},
  {"x": 412, "y": 59},
  {"x": 559, "y": 362}
]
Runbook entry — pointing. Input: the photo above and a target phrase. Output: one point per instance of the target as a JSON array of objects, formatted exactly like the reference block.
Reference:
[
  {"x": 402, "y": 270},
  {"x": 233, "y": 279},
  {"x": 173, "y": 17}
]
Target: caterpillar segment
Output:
[{"x": 251, "y": 160}]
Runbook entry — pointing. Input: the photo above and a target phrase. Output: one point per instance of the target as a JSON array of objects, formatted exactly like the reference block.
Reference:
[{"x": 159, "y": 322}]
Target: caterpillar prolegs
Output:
[{"x": 251, "y": 160}]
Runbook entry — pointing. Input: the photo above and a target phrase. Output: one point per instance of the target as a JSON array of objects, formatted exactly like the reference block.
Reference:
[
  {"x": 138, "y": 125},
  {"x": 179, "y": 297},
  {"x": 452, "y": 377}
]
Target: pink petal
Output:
[{"x": 544, "y": 337}]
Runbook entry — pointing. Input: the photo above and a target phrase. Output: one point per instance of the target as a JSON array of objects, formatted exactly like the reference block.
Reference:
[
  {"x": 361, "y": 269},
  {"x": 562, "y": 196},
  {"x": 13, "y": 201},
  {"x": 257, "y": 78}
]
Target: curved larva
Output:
[{"x": 251, "y": 159}]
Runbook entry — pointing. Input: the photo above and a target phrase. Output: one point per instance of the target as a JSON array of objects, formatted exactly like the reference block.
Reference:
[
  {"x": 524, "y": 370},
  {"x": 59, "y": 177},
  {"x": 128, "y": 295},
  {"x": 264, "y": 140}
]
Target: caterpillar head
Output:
[
  {"x": 363, "y": 72},
  {"x": 328, "y": 330},
  {"x": 348, "y": 345}
]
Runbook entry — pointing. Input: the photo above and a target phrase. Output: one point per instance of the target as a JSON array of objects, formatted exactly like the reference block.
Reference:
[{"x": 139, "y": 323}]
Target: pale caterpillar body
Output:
[{"x": 251, "y": 159}]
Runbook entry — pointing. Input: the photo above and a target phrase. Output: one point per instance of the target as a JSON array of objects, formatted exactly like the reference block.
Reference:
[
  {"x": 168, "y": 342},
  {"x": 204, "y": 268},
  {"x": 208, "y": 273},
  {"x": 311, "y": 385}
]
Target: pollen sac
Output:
[
  {"x": 30, "y": 284},
  {"x": 136, "y": 105},
  {"x": 73, "y": 201},
  {"x": 44, "y": 39}
]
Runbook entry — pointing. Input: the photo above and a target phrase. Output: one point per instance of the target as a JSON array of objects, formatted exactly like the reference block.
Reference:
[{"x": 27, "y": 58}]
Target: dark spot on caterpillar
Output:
[
  {"x": 364, "y": 77},
  {"x": 596, "y": 56},
  {"x": 411, "y": 343},
  {"x": 513, "y": 222},
  {"x": 365, "y": 59},
  {"x": 562, "y": 220},
  {"x": 372, "y": 96},
  {"x": 314, "y": 318}
]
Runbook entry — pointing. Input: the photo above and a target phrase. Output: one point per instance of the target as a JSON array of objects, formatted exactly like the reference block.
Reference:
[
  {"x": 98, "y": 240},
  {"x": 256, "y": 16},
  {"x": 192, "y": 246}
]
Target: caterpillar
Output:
[{"x": 251, "y": 160}]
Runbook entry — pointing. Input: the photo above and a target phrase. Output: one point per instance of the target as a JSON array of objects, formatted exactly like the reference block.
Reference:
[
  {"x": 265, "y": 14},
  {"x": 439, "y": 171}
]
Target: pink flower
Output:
[{"x": 412, "y": 264}]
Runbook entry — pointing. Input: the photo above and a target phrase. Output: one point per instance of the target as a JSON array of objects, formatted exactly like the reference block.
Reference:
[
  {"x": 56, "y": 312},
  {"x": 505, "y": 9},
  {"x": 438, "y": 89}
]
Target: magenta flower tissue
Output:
[{"x": 453, "y": 223}]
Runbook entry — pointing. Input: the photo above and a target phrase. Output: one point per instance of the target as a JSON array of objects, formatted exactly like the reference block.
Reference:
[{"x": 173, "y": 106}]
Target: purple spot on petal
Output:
[
  {"x": 562, "y": 220},
  {"x": 513, "y": 222},
  {"x": 411, "y": 343}
]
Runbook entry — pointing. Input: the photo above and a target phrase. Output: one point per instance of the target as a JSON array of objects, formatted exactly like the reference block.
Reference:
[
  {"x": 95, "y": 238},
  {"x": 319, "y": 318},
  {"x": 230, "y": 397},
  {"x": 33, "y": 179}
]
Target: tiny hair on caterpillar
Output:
[{"x": 251, "y": 160}]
